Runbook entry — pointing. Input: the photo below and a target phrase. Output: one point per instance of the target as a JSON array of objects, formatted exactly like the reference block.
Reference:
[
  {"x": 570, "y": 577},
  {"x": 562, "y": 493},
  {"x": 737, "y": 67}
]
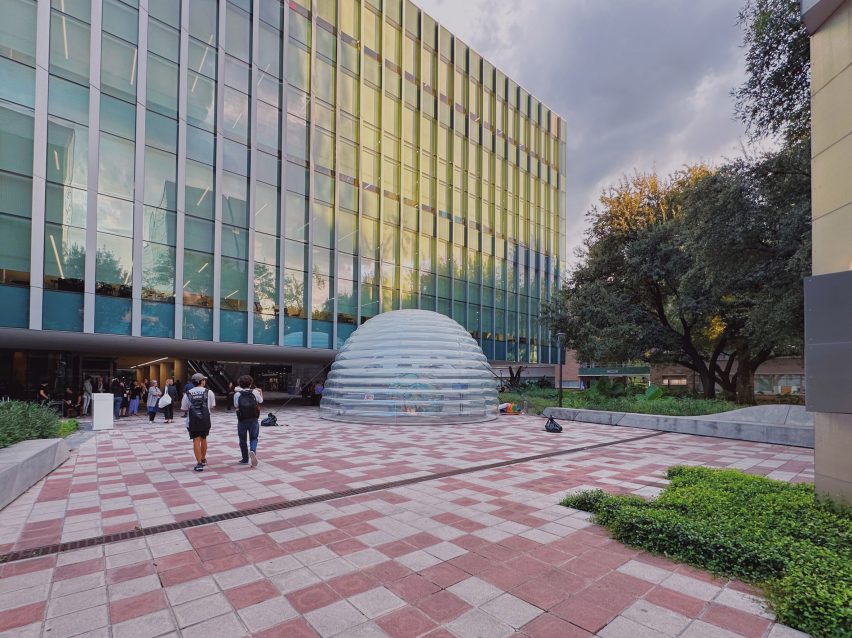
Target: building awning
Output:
[{"x": 624, "y": 371}]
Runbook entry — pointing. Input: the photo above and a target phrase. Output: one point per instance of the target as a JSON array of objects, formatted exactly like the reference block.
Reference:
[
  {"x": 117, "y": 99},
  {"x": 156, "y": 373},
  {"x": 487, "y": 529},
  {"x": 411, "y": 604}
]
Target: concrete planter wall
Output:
[
  {"x": 796, "y": 435},
  {"x": 24, "y": 464}
]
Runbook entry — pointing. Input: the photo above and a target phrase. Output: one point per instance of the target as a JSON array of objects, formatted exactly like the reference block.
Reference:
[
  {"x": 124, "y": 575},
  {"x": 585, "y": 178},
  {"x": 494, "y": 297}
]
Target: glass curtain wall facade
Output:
[{"x": 265, "y": 173}]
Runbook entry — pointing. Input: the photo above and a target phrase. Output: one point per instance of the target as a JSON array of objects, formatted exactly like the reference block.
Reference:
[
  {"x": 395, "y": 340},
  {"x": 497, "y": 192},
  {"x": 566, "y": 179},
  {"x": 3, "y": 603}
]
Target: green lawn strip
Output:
[
  {"x": 21, "y": 421},
  {"x": 539, "y": 398},
  {"x": 773, "y": 534}
]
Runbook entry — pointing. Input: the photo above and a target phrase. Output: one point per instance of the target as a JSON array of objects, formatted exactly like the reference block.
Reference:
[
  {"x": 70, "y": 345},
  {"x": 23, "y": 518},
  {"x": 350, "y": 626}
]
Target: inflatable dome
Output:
[{"x": 410, "y": 367}]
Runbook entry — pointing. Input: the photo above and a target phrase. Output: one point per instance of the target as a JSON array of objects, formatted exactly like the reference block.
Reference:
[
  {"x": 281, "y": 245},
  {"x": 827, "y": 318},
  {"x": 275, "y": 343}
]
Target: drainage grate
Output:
[{"x": 205, "y": 520}]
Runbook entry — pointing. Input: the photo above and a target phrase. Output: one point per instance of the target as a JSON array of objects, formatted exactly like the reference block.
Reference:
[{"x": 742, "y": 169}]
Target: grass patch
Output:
[
  {"x": 773, "y": 534},
  {"x": 68, "y": 427},
  {"x": 540, "y": 398},
  {"x": 21, "y": 421}
]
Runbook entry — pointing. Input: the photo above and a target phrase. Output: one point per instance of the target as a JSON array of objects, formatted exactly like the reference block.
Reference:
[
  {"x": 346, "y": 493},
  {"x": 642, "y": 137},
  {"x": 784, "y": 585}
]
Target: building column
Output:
[
  {"x": 180, "y": 370},
  {"x": 165, "y": 372},
  {"x": 154, "y": 372},
  {"x": 140, "y": 374}
]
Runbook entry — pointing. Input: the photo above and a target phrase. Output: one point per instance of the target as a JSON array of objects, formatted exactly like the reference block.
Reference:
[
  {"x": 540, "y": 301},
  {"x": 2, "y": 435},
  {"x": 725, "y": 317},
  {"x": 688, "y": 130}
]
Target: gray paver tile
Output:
[
  {"x": 76, "y": 602},
  {"x": 700, "y": 629},
  {"x": 267, "y": 614},
  {"x": 744, "y": 602},
  {"x": 376, "y": 602},
  {"x": 200, "y": 609},
  {"x": 191, "y": 590},
  {"x": 335, "y": 618},
  {"x": 225, "y": 626},
  {"x": 658, "y": 618},
  {"x": 622, "y": 627},
  {"x": 638, "y": 569},
  {"x": 475, "y": 591},
  {"x": 691, "y": 587},
  {"x": 76, "y": 623},
  {"x": 148, "y": 626},
  {"x": 512, "y": 610},
  {"x": 478, "y": 624}
]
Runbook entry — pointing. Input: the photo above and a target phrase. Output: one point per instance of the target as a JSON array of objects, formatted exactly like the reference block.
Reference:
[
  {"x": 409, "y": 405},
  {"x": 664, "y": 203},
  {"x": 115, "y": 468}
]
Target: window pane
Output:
[
  {"x": 163, "y": 41},
  {"x": 234, "y": 284},
  {"x": 162, "y": 86},
  {"x": 67, "y": 153},
  {"x": 115, "y": 216},
  {"x": 238, "y": 33},
  {"x": 201, "y": 101},
  {"x": 16, "y": 194},
  {"x": 234, "y": 195},
  {"x": 160, "y": 179},
  {"x": 67, "y": 100},
  {"x": 69, "y": 48},
  {"x": 116, "y": 173},
  {"x": 114, "y": 264},
  {"x": 203, "y": 19},
  {"x": 198, "y": 279},
  {"x": 234, "y": 242},
  {"x": 14, "y": 246},
  {"x": 17, "y": 83},
  {"x": 16, "y": 140},
  {"x": 158, "y": 271},
  {"x": 199, "y": 190},
  {"x": 118, "y": 68},
  {"x": 118, "y": 117}
]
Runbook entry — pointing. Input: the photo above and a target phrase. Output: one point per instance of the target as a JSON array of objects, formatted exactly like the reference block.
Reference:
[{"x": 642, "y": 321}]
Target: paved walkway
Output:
[{"x": 481, "y": 554}]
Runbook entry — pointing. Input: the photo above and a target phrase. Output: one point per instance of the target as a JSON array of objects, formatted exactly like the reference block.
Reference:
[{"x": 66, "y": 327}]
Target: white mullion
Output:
[
  {"x": 336, "y": 270},
  {"x": 139, "y": 173},
  {"x": 92, "y": 181},
  {"x": 39, "y": 182},
  {"x": 380, "y": 186},
  {"x": 180, "y": 221},
  {"x": 255, "y": 74},
  {"x": 217, "y": 207},
  {"x": 282, "y": 189},
  {"x": 358, "y": 178},
  {"x": 309, "y": 266}
]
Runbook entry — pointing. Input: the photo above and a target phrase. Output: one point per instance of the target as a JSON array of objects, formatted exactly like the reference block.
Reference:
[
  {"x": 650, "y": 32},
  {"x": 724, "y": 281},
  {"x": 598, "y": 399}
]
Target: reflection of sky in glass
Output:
[{"x": 115, "y": 216}]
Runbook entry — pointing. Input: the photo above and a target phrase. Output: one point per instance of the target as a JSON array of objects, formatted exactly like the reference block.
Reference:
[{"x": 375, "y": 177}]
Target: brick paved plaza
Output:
[{"x": 480, "y": 554}]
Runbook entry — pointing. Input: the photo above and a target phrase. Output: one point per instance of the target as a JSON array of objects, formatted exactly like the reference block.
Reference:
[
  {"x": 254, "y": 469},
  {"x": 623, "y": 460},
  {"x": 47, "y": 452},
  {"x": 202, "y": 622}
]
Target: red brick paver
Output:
[{"x": 487, "y": 553}]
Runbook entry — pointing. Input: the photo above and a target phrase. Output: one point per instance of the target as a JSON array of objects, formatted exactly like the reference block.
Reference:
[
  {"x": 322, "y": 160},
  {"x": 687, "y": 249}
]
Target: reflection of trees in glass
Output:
[
  {"x": 265, "y": 289},
  {"x": 72, "y": 274},
  {"x": 158, "y": 278},
  {"x": 112, "y": 278},
  {"x": 294, "y": 294}
]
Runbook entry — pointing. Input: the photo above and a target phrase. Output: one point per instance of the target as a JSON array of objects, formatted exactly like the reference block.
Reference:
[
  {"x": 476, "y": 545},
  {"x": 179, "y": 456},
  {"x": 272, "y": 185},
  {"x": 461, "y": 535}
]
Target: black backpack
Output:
[
  {"x": 199, "y": 412},
  {"x": 552, "y": 426},
  {"x": 247, "y": 406},
  {"x": 270, "y": 421}
]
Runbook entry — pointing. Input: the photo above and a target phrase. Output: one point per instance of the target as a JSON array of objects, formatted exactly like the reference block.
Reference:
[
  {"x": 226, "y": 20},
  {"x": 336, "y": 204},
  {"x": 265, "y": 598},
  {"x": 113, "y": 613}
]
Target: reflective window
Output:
[
  {"x": 197, "y": 279},
  {"x": 69, "y": 47},
  {"x": 158, "y": 271},
  {"x": 17, "y": 83},
  {"x": 16, "y": 140},
  {"x": 203, "y": 16},
  {"x": 118, "y": 68},
  {"x": 162, "y": 86},
  {"x": 67, "y": 153},
  {"x": 238, "y": 33},
  {"x": 116, "y": 161},
  {"x": 160, "y": 179}
]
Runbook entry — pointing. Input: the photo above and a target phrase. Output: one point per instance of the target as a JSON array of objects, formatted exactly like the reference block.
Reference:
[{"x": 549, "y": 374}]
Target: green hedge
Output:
[
  {"x": 21, "y": 421},
  {"x": 770, "y": 533},
  {"x": 538, "y": 400}
]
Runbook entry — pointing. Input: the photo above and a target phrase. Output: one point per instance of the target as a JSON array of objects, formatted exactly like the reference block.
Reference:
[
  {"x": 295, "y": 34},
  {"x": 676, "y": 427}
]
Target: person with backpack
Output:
[
  {"x": 198, "y": 402},
  {"x": 247, "y": 400}
]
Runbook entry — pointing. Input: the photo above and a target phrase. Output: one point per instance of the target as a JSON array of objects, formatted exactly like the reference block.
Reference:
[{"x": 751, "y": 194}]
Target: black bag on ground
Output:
[
  {"x": 247, "y": 406},
  {"x": 269, "y": 421},
  {"x": 199, "y": 412},
  {"x": 552, "y": 426}
]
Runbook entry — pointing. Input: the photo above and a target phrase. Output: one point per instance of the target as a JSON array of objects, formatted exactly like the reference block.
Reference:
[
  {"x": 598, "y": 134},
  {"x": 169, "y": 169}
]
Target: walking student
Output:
[
  {"x": 169, "y": 410},
  {"x": 135, "y": 396},
  {"x": 154, "y": 394},
  {"x": 198, "y": 402},
  {"x": 117, "y": 389},
  {"x": 247, "y": 400}
]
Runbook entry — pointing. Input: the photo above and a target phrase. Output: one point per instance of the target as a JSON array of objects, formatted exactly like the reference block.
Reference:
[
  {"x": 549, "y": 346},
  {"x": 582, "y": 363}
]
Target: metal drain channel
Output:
[{"x": 138, "y": 532}]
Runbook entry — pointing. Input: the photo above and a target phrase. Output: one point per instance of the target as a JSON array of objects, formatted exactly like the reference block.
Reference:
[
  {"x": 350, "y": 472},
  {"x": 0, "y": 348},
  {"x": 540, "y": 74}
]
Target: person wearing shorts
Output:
[{"x": 198, "y": 428}]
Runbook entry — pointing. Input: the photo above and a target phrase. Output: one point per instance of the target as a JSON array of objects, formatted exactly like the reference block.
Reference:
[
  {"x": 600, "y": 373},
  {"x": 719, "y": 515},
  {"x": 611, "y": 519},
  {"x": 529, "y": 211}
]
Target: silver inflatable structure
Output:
[{"x": 410, "y": 367}]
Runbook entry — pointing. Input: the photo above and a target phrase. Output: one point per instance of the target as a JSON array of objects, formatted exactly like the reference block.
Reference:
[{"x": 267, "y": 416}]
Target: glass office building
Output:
[{"x": 266, "y": 173}]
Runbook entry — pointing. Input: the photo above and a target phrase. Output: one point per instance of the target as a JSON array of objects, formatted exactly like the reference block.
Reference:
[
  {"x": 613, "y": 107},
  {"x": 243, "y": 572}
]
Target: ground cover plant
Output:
[
  {"x": 20, "y": 421},
  {"x": 68, "y": 427},
  {"x": 777, "y": 535},
  {"x": 654, "y": 402}
]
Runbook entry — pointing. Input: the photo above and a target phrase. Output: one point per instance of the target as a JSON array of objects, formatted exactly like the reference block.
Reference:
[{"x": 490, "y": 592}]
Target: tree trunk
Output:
[
  {"x": 745, "y": 383},
  {"x": 708, "y": 384}
]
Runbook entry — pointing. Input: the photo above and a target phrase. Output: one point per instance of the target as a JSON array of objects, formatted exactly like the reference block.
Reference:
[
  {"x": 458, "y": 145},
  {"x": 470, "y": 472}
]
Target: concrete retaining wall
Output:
[
  {"x": 796, "y": 435},
  {"x": 24, "y": 464}
]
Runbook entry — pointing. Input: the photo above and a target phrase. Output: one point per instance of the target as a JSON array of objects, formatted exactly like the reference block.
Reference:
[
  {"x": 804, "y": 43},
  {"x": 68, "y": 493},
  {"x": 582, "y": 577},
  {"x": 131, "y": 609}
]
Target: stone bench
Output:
[{"x": 24, "y": 464}]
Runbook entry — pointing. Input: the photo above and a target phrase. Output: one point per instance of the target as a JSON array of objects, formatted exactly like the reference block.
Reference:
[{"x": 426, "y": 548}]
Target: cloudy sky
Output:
[{"x": 643, "y": 84}]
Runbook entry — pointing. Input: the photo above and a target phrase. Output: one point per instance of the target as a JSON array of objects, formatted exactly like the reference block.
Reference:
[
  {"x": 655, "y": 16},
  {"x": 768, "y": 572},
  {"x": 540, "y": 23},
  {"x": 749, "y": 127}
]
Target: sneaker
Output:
[
  {"x": 253, "y": 458},
  {"x": 204, "y": 462},
  {"x": 199, "y": 468},
  {"x": 243, "y": 461}
]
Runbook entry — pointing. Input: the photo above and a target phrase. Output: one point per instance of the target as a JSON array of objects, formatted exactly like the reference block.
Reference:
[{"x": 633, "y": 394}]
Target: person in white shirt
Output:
[
  {"x": 198, "y": 403},
  {"x": 247, "y": 400}
]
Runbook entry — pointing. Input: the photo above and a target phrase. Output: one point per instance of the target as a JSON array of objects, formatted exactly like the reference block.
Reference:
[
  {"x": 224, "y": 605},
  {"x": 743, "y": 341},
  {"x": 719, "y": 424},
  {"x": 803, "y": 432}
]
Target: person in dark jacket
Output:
[{"x": 169, "y": 410}]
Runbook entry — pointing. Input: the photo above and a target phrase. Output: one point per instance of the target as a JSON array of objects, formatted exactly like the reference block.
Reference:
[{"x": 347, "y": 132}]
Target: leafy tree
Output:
[
  {"x": 775, "y": 97},
  {"x": 632, "y": 297},
  {"x": 748, "y": 227}
]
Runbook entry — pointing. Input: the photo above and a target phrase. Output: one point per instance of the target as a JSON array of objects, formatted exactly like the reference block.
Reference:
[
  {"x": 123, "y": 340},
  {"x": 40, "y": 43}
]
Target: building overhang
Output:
[
  {"x": 121, "y": 345},
  {"x": 816, "y": 12}
]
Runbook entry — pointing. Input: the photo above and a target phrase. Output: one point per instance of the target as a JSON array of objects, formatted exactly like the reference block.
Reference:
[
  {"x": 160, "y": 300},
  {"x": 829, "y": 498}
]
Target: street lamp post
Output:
[{"x": 559, "y": 337}]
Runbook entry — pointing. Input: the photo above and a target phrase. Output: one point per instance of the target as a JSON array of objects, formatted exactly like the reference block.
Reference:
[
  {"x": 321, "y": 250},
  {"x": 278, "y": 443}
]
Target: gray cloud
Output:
[{"x": 643, "y": 84}]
